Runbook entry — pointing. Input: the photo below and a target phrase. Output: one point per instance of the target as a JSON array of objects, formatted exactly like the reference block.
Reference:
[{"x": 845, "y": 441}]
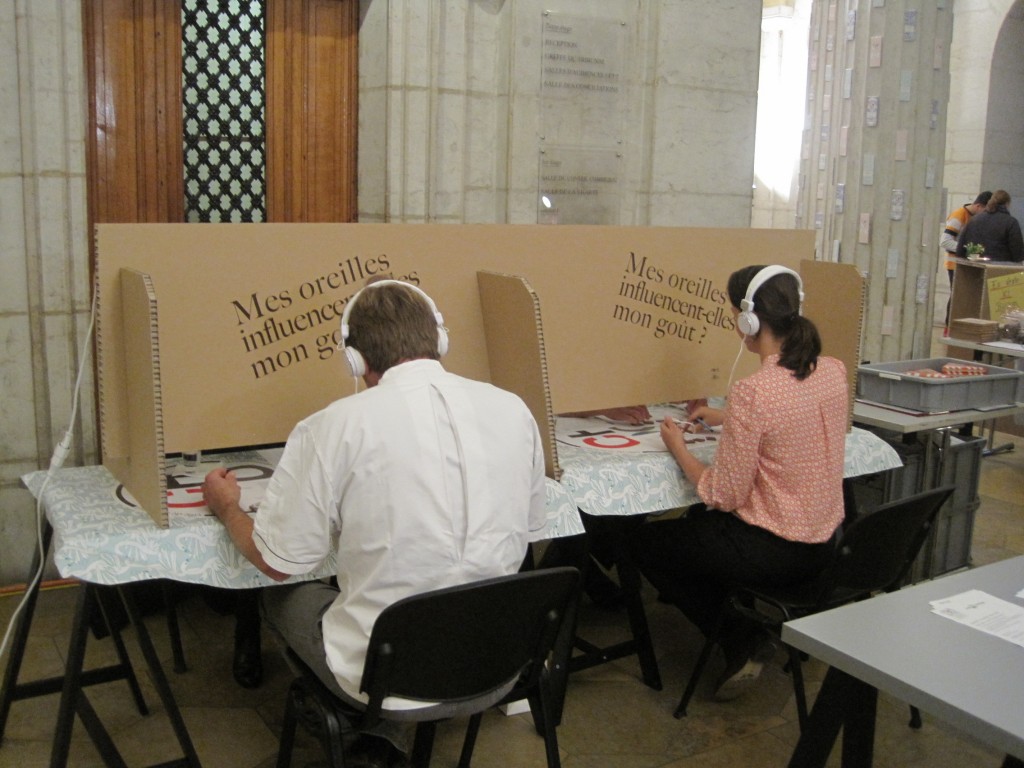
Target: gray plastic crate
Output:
[
  {"x": 889, "y": 384},
  {"x": 871, "y": 491},
  {"x": 961, "y": 468},
  {"x": 948, "y": 547}
]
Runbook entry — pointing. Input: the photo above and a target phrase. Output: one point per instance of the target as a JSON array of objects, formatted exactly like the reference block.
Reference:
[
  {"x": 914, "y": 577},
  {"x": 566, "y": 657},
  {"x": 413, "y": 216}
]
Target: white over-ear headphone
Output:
[
  {"x": 747, "y": 321},
  {"x": 354, "y": 358}
]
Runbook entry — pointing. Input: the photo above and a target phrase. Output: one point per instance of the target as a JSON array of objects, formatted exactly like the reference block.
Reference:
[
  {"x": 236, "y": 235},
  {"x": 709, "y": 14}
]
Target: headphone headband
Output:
[
  {"x": 351, "y": 302},
  {"x": 354, "y": 358},
  {"x": 748, "y": 322}
]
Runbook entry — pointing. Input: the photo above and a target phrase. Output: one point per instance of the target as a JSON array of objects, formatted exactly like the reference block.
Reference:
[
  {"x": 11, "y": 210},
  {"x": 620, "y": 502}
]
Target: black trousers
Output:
[{"x": 696, "y": 560}]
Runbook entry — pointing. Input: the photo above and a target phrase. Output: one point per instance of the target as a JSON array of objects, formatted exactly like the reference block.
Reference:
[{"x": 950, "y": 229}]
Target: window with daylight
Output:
[{"x": 224, "y": 140}]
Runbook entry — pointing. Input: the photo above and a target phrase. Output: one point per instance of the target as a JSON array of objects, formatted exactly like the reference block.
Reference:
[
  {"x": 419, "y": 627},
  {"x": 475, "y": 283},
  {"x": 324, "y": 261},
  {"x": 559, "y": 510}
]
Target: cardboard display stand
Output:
[{"x": 217, "y": 336}]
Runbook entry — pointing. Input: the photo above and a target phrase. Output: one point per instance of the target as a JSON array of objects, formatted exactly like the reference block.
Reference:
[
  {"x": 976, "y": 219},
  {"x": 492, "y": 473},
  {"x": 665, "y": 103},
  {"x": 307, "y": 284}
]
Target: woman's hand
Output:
[
  {"x": 675, "y": 440},
  {"x": 713, "y": 417},
  {"x": 672, "y": 435}
]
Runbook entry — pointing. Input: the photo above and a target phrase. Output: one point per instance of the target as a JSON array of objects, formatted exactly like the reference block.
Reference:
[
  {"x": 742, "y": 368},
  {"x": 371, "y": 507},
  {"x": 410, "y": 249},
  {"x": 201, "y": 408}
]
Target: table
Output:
[
  {"x": 610, "y": 482},
  {"x": 969, "y": 679},
  {"x": 906, "y": 422},
  {"x": 101, "y": 538},
  {"x": 996, "y": 350},
  {"x": 996, "y": 354},
  {"x": 619, "y": 486}
]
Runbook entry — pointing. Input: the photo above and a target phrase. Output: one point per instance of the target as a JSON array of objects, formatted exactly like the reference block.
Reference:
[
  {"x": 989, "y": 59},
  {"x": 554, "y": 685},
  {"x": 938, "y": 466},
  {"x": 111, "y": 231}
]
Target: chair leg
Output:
[
  {"x": 331, "y": 738},
  {"x": 545, "y": 705},
  {"x": 470, "y": 741},
  {"x": 287, "y": 743},
  {"x": 423, "y": 744},
  {"x": 691, "y": 685},
  {"x": 318, "y": 717},
  {"x": 915, "y": 718}
]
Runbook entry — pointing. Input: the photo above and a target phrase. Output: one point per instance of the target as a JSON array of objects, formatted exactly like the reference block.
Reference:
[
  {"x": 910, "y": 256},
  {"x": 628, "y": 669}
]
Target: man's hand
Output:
[
  {"x": 221, "y": 492},
  {"x": 222, "y": 495}
]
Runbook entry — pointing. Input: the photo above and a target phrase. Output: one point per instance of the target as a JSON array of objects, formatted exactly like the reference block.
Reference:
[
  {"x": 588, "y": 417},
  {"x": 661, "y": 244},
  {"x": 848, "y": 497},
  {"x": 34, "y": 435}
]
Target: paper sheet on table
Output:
[
  {"x": 604, "y": 433},
  {"x": 185, "y": 485},
  {"x": 984, "y": 612}
]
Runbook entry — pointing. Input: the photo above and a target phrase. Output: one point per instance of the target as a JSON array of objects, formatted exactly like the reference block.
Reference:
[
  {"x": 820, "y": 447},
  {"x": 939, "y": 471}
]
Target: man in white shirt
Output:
[{"x": 424, "y": 480}]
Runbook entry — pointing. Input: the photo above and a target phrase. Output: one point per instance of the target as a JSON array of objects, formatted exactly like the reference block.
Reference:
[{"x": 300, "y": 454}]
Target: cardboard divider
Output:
[
  {"x": 141, "y": 467},
  {"x": 828, "y": 288},
  {"x": 244, "y": 345},
  {"x": 515, "y": 345}
]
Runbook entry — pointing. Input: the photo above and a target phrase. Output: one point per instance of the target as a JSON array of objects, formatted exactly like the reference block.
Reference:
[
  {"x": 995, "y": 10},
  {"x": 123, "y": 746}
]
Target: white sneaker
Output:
[{"x": 733, "y": 684}]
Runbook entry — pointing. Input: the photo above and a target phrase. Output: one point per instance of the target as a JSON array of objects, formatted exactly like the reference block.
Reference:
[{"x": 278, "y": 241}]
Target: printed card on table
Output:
[{"x": 606, "y": 434}]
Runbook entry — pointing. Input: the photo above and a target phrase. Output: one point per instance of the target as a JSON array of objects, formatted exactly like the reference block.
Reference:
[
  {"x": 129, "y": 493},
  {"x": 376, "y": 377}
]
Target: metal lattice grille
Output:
[{"x": 223, "y": 91}]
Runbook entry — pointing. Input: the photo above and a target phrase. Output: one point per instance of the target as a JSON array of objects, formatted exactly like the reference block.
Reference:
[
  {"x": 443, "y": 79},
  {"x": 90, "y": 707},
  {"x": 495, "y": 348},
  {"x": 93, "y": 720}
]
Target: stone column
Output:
[
  {"x": 872, "y": 157},
  {"x": 45, "y": 291}
]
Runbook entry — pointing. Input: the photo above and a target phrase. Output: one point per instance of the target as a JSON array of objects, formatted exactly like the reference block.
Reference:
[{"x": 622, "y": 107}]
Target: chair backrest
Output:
[
  {"x": 462, "y": 642},
  {"x": 876, "y": 551}
]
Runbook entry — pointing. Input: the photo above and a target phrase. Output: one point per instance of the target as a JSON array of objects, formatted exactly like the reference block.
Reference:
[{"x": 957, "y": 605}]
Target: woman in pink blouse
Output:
[{"x": 773, "y": 498}]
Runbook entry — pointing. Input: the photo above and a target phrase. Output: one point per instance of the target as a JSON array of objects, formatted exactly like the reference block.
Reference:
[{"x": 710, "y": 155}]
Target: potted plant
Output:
[{"x": 975, "y": 251}]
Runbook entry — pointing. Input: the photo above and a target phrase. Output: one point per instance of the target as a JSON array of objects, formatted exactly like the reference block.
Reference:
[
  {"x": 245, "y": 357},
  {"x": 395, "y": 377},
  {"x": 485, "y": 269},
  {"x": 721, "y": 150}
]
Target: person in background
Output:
[
  {"x": 996, "y": 229},
  {"x": 425, "y": 480},
  {"x": 773, "y": 498},
  {"x": 951, "y": 230}
]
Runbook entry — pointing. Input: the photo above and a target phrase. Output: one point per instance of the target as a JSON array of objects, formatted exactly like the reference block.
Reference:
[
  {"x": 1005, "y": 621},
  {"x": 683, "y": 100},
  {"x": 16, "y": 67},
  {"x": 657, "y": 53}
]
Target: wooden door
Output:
[{"x": 134, "y": 133}]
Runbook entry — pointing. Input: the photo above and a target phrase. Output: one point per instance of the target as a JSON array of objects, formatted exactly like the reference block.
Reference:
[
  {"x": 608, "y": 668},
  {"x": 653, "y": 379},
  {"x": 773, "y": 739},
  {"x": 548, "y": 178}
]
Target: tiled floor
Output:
[{"x": 611, "y": 719}]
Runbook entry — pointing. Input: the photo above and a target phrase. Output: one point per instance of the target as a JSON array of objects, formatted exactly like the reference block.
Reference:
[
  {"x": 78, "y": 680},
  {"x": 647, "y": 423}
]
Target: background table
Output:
[{"x": 895, "y": 643}]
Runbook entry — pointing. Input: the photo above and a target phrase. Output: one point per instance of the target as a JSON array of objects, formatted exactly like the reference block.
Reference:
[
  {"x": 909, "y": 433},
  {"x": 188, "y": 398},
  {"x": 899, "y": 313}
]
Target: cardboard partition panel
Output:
[
  {"x": 834, "y": 297},
  {"x": 515, "y": 342},
  {"x": 244, "y": 345},
  {"x": 141, "y": 470}
]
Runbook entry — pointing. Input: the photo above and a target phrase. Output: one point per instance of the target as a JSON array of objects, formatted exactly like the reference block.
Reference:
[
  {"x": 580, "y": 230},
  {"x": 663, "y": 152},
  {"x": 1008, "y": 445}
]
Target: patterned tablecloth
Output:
[
  {"x": 635, "y": 481},
  {"x": 101, "y": 537}
]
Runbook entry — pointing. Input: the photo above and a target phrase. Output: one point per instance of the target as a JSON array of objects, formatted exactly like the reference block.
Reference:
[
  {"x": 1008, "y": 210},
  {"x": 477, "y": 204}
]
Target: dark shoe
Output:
[
  {"x": 603, "y": 591},
  {"x": 247, "y": 667},
  {"x": 374, "y": 752}
]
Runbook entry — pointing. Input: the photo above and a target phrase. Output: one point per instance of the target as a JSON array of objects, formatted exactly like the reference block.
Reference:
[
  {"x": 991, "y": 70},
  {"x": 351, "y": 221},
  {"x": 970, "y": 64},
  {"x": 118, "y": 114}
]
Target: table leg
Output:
[
  {"x": 72, "y": 688},
  {"x": 615, "y": 532},
  {"x": 629, "y": 580},
  {"x": 190, "y": 759},
  {"x": 846, "y": 703},
  {"x": 9, "y": 689}
]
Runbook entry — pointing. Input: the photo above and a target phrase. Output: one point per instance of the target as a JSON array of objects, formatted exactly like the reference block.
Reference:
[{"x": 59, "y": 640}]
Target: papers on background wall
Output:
[{"x": 984, "y": 612}]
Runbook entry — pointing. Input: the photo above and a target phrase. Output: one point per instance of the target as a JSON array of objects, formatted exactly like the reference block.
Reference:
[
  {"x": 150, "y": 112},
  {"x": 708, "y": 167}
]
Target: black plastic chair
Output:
[
  {"x": 874, "y": 554},
  {"x": 475, "y": 645}
]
